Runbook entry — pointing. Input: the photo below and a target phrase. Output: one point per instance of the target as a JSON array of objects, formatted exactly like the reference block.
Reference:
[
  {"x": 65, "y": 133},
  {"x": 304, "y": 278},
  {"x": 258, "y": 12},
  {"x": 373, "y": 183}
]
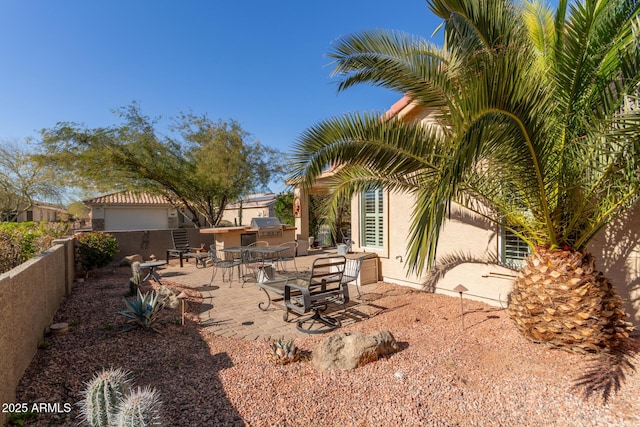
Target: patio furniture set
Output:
[{"x": 299, "y": 292}]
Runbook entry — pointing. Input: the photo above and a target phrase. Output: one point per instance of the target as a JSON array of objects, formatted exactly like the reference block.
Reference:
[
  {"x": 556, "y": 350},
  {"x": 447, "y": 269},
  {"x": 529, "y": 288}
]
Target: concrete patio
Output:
[{"x": 232, "y": 311}]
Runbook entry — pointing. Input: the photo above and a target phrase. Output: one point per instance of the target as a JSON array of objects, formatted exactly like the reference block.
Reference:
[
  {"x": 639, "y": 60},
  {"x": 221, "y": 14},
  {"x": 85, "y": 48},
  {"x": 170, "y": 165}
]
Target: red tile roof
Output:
[
  {"x": 397, "y": 107},
  {"x": 128, "y": 198}
]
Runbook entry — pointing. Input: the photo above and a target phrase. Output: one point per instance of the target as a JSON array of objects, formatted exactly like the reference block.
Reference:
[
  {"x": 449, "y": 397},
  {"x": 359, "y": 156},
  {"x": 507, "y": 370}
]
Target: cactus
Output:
[
  {"x": 284, "y": 352},
  {"x": 102, "y": 397},
  {"x": 136, "y": 279},
  {"x": 141, "y": 408}
]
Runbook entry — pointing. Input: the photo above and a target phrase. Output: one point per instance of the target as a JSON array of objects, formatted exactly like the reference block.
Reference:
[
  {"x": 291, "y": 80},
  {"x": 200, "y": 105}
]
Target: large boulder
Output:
[{"x": 352, "y": 350}]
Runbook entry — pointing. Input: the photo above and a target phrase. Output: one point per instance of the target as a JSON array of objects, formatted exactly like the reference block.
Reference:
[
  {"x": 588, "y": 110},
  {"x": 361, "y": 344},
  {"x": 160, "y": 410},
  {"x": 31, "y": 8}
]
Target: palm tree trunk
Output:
[{"x": 560, "y": 298}]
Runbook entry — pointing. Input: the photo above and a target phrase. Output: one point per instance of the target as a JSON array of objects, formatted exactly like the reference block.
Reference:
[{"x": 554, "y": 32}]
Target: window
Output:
[
  {"x": 9, "y": 217},
  {"x": 371, "y": 219},
  {"x": 513, "y": 249}
]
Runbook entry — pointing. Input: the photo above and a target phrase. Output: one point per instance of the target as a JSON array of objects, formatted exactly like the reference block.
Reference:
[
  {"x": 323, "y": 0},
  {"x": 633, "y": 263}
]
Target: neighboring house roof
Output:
[
  {"x": 51, "y": 206},
  {"x": 45, "y": 205},
  {"x": 128, "y": 198},
  {"x": 258, "y": 200},
  {"x": 40, "y": 205}
]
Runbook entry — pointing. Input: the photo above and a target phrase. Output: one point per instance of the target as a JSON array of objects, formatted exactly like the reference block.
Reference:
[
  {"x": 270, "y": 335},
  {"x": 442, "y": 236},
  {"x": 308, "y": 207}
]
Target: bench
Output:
[{"x": 312, "y": 294}]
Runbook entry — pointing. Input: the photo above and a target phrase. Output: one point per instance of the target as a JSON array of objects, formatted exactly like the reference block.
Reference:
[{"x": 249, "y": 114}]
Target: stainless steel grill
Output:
[{"x": 267, "y": 227}]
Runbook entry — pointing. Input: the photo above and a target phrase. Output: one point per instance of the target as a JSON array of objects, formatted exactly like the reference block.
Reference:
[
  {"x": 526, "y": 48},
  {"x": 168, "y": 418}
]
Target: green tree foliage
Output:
[
  {"x": 22, "y": 241},
  {"x": 78, "y": 211},
  {"x": 283, "y": 208},
  {"x": 527, "y": 117},
  {"x": 201, "y": 166},
  {"x": 317, "y": 214},
  {"x": 23, "y": 180}
]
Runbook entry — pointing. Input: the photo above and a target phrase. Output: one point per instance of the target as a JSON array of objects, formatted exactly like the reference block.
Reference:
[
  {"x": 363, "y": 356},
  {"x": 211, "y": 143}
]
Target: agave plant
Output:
[
  {"x": 144, "y": 310},
  {"x": 283, "y": 352},
  {"x": 102, "y": 396}
]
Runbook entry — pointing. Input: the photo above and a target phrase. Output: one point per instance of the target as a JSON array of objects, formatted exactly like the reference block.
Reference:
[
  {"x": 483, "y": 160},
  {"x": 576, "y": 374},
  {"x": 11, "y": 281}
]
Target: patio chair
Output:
[
  {"x": 253, "y": 261},
  {"x": 323, "y": 286},
  {"x": 289, "y": 254},
  {"x": 351, "y": 272},
  {"x": 227, "y": 265},
  {"x": 181, "y": 245},
  {"x": 251, "y": 256}
]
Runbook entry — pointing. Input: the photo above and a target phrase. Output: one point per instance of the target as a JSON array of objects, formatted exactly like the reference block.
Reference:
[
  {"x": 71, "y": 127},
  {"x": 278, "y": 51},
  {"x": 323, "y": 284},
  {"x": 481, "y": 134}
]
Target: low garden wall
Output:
[
  {"x": 29, "y": 298},
  {"x": 154, "y": 242}
]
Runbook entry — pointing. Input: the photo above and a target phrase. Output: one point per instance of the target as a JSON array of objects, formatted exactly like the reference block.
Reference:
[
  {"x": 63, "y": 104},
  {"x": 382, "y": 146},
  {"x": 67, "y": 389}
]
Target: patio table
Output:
[
  {"x": 266, "y": 257},
  {"x": 269, "y": 252},
  {"x": 152, "y": 273},
  {"x": 259, "y": 265}
]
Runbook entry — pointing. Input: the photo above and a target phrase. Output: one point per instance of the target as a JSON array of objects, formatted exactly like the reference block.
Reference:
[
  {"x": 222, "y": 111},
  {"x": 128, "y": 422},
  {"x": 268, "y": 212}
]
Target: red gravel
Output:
[{"x": 486, "y": 375}]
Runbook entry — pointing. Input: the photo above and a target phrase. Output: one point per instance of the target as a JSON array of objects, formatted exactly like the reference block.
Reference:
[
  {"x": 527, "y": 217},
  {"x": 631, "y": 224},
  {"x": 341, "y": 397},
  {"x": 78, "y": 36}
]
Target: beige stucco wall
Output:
[
  {"x": 29, "y": 296},
  {"x": 465, "y": 233},
  {"x": 617, "y": 252},
  {"x": 155, "y": 242},
  {"x": 40, "y": 214},
  {"x": 233, "y": 215},
  {"x": 230, "y": 237}
]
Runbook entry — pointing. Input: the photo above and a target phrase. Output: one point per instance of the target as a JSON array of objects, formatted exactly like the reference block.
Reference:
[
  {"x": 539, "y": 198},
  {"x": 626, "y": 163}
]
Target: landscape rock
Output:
[
  {"x": 166, "y": 291},
  {"x": 170, "y": 296},
  {"x": 172, "y": 302},
  {"x": 350, "y": 350},
  {"x": 130, "y": 259}
]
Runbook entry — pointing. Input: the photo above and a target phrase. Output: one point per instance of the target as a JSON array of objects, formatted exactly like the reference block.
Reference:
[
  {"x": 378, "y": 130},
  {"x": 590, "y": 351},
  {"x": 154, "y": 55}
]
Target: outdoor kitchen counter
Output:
[
  {"x": 216, "y": 230},
  {"x": 242, "y": 228},
  {"x": 233, "y": 236}
]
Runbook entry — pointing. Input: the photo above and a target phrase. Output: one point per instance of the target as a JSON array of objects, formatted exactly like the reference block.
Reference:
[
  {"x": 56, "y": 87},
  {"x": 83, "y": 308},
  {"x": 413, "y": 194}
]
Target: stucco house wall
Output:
[
  {"x": 253, "y": 206},
  {"x": 617, "y": 252},
  {"x": 464, "y": 233},
  {"x": 41, "y": 212}
]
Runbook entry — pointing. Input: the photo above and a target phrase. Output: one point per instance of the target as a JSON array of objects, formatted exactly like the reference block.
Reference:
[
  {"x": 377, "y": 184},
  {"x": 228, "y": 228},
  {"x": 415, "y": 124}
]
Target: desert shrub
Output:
[
  {"x": 22, "y": 241},
  {"x": 95, "y": 250}
]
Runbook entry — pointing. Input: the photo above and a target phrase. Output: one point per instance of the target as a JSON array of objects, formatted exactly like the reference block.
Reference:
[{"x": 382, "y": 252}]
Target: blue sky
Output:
[{"x": 262, "y": 63}]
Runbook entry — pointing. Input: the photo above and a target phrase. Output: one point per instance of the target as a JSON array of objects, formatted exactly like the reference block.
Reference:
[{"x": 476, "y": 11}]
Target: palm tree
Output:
[{"x": 532, "y": 125}]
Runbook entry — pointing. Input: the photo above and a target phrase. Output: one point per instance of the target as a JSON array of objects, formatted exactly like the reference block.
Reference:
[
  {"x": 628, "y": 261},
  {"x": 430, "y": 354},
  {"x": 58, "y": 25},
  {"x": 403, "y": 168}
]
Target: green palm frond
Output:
[
  {"x": 531, "y": 119},
  {"x": 368, "y": 141},
  {"x": 391, "y": 59}
]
